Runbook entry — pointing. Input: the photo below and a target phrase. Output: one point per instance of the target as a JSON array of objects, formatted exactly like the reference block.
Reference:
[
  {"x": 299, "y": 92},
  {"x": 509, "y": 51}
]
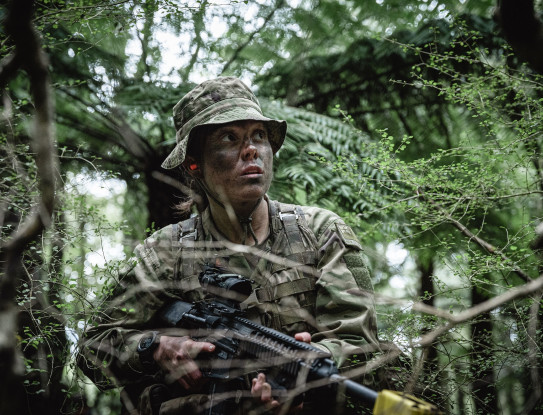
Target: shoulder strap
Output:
[
  {"x": 184, "y": 235},
  {"x": 293, "y": 221},
  {"x": 184, "y": 231}
]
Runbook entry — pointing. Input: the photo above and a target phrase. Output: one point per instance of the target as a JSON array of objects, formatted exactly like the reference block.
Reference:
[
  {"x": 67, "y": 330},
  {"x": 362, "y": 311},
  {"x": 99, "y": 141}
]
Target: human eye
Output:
[
  {"x": 228, "y": 138},
  {"x": 260, "y": 135}
]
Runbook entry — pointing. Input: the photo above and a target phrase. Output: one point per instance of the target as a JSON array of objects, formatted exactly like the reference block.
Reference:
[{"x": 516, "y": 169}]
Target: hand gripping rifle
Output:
[{"x": 243, "y": 347}]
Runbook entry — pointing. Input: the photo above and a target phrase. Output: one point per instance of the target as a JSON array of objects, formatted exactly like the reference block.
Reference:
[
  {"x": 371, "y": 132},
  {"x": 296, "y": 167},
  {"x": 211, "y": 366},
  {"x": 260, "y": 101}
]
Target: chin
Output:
[{"x": 252, "y": 194}]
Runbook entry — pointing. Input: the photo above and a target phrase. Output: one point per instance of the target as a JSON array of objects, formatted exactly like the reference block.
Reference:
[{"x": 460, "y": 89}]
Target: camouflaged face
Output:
[{"x": 218, "y": 101}]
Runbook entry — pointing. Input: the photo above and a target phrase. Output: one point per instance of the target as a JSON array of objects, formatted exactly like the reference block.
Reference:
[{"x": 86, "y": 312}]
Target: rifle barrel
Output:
[{"x": 356, "y": 390}]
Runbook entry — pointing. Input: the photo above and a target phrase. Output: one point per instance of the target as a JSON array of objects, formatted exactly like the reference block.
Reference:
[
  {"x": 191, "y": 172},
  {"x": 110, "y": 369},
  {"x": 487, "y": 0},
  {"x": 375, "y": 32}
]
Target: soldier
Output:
[{"x": 308, "y": 272}]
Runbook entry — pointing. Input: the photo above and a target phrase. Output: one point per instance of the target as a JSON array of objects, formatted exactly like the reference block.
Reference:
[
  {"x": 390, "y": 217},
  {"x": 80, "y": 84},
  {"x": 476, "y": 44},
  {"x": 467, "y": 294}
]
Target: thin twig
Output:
[
  {"x": 164, "y": 178},
  {"x": 278, "y": 5},
  {"x": 481, "y": 242},
  {"x": 484, "y": 307}
]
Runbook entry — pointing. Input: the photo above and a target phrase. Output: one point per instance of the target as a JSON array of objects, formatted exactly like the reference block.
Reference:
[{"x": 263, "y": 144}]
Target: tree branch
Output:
[
  {"x": 278, "y": 5},
  {"x": 484, "y": 307},
  {"x": 428, "y": 339},
  {"x": 32, "y": 59},
  {"x": 8, "y": 68},
  {"x": 29, "y": 56},
  {"x": 479, "y": 241},
  {"x": 130, "y": 141}
]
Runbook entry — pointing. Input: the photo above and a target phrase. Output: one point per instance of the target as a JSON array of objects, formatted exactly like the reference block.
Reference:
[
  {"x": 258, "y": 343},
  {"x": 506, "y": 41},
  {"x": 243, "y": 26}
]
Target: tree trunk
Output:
[
  {"x": 460, "y": 395},
  {"x": 432, "y": 381},
  {"x": 482, "y": 371},
  {"x": 27, "y": 55},
  {"x": 523, "y": 30}
]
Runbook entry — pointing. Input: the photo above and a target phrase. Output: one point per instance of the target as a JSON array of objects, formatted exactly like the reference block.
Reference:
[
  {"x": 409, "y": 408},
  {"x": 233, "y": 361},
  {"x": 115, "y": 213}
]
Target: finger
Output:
[
  {"x": 193, "y": 348},
  {"x": 256, "y": 388},
  {"x": 266, "y": 392},
  {"x": 304, "y": 336},
  {"x": 274, "y": 404},
  {"x": 184, "y": 383},
  {"x": 180, "y": 374},
  {"x": 184, "y": 368},
  {"x": 188, "y": 375},
  {"x": 184, "y": 363},
  {"x": 194, "y": 375}
]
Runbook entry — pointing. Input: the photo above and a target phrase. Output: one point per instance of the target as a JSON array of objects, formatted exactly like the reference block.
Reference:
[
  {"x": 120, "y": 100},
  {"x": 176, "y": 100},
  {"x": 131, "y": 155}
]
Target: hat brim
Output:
[{"x": 276, "y": 130}]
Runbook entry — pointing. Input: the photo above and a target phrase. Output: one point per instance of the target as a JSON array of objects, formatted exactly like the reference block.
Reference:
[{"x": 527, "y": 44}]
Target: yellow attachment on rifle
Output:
[{"x": 398, "y": 403}]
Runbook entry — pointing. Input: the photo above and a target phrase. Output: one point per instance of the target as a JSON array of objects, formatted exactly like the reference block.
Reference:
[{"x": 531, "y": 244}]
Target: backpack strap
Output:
[
  {"x": 302, "y": 250},
  {"x": 184, "y": 236}
]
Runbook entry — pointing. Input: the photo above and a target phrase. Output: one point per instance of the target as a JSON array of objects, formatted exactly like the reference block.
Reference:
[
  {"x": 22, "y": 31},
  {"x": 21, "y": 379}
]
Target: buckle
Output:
[
  {"x": 192, "y": 235},
  {"x": 281, "y": 214}
]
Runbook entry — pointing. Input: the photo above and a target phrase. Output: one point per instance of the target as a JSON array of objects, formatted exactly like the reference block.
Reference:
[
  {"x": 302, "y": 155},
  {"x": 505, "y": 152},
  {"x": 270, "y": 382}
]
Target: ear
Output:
[{"x": 192, "y": 166}]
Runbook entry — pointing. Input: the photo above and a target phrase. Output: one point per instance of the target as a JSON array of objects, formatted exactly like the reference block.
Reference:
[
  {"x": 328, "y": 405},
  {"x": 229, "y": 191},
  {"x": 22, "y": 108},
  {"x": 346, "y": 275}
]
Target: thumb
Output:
[{"x": 197, "y": 347}]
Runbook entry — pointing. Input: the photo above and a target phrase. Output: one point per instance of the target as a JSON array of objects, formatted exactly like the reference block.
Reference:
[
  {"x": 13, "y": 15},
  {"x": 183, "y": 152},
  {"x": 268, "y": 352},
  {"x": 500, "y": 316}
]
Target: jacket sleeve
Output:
[
  {"x": 107, "y": 348},
  {"x": 345, "y": 309}
]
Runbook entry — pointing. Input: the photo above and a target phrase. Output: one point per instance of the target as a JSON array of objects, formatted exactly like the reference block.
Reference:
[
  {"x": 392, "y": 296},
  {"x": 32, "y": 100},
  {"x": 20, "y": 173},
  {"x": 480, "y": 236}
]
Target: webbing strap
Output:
[
  {"x": 295, "y": 315},
  {"x": 185, "y": 238},
  {"x": 284, "y": 289},
  {"x": 274, "y": 215},
  {"x": 175, "y": 237},
  {"x": 300, "y": 244},
  {"x": 300, "y": 239},
  {"x": 188, "y": 231},
  {"x": 292, "y": 230},
  {"x": 301, "y": 258}
]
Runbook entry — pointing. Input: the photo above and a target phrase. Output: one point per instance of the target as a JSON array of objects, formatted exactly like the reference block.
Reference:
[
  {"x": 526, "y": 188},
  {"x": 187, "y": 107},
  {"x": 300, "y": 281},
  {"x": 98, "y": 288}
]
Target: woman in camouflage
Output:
[{"x": 308, "y": 273}]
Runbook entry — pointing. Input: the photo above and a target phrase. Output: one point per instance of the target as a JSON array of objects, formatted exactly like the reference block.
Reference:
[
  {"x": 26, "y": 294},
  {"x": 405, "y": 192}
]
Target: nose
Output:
[{"x": 249, "y": 150}]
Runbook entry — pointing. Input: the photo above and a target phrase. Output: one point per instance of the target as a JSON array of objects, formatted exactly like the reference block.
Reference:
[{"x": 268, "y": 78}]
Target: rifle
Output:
[{"x": 243, "y": 347}]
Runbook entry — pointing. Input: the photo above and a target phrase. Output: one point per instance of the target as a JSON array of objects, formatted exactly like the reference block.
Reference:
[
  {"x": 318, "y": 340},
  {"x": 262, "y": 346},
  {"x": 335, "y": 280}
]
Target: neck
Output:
[{"x": 227, "y": 220}]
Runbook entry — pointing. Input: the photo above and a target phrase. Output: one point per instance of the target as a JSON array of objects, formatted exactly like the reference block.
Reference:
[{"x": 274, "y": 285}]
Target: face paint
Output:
[{"x": 238, "y": 162}]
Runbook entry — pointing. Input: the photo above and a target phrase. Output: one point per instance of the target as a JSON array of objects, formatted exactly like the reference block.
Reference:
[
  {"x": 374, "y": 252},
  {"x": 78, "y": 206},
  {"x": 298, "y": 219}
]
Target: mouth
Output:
[{"x": 252, "y": 171}]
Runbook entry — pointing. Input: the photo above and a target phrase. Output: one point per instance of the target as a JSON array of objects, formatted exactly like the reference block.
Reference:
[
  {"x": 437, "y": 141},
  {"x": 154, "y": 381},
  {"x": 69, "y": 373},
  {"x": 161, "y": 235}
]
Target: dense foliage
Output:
[{"x": 412, "y": 119}]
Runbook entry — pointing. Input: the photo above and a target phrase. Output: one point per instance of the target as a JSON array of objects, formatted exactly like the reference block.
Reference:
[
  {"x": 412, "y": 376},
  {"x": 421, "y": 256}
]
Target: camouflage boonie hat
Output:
[{"x": 218, "y": 101}]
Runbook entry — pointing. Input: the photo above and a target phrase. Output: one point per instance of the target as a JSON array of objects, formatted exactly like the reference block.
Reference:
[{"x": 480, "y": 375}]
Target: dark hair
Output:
[
  {"x": 198, "y": 136},
  {"x": 196, "y": 196}
]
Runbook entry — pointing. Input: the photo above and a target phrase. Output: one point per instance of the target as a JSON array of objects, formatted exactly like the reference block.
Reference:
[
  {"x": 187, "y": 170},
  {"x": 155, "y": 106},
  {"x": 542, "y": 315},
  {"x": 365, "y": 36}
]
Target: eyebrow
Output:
[
  {"x": 234, "y": 129},
  {"x": 222, "y": 130}
]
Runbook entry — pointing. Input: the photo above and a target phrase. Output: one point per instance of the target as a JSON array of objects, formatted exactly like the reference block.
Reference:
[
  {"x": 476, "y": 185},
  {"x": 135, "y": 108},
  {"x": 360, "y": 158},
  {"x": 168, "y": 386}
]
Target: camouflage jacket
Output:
[{"x": 309, "y": 275}]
